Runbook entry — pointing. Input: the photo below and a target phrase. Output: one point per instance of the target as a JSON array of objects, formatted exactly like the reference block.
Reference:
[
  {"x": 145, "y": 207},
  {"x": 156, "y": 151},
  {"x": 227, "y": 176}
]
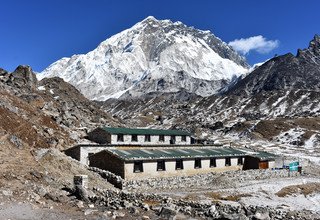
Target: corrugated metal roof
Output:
[
  {"x": 262, "y": 155},
  {"x": 153, "y": 154},
  {"x": 139, "y": 131}
]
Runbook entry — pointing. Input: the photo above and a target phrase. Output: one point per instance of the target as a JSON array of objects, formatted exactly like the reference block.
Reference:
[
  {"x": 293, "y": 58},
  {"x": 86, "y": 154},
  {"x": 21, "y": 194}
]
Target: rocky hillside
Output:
[
  {"x": 50, "y": 113},
  {"x": 153, "y": 56},
  {"x": 37, "y": 119},
  {"x": 282, "y": 95},
  {"x": 286, "y": 72}
]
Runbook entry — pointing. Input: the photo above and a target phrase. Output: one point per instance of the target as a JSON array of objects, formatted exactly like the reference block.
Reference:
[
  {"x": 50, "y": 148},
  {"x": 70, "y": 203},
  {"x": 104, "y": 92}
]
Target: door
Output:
[{"x": 263, "y": 165}]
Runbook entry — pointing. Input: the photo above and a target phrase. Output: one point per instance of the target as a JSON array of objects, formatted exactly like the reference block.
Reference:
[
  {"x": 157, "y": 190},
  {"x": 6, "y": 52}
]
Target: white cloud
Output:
[{"x": 257, "y": 43}]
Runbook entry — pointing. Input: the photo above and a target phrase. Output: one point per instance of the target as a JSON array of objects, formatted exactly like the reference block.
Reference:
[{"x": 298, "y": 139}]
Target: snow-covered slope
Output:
[{"x": 152, "y": 56}]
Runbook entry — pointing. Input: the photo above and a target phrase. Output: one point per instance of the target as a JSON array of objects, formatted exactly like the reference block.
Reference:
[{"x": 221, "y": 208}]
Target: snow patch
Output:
[{"x": 41, "y": 88}]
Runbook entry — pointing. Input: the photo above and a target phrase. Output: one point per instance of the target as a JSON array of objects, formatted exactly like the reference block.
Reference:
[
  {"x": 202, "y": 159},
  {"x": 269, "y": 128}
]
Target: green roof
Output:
[
  {"x": 144, "y": 131},
  {"x": 170, "y": 153},
  {"x": 262, "y": 155}
]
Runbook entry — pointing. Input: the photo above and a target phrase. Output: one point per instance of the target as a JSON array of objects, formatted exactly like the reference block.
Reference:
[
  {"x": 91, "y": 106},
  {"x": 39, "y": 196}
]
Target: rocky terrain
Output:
[
  {"x": 274, "y": 103},
  {"x": 274, "y": 108},
  {"x": 50, "y": 113},
  {"x": 37, "y": 119},
  {"x": 40, "y": 118}
]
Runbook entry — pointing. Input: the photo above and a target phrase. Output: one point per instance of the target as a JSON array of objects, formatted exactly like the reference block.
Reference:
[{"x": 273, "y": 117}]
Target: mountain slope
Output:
[
  {"x": 49, "y": 113},
  {"x": 152, "y": 56},
  {"x": 279, "y": 101},
  {"x": 286, "y": 72}
]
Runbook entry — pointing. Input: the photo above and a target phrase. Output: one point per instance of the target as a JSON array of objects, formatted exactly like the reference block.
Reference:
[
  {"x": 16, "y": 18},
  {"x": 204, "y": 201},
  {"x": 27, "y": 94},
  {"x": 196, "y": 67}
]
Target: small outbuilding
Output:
[
  {"x": 83, "y": 151},
  {"x": 165, "y": 162},
  {"x": 120, "y": 136},
  {"x": 259, "y": 160}
]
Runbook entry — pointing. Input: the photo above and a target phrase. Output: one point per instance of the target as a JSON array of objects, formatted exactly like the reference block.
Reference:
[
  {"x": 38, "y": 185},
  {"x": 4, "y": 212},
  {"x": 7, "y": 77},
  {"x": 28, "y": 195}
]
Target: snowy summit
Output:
[{"x": 152, "y": 56}]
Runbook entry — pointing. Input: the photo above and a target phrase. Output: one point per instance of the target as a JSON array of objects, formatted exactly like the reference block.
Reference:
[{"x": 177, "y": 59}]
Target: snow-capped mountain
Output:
[{"x": 152, "y": 56}]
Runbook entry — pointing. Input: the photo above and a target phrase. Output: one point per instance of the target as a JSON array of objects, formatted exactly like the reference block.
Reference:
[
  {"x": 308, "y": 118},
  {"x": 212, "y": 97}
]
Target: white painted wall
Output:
[
  {"x": 234, "y": 161},
  {"x": 84, "y": 153},
  {"x": 221, "y": 162},
  {"x": 150, "y": 168},
  {"x": 154, "y": 139},
  {"x": 272, "y": 164}
]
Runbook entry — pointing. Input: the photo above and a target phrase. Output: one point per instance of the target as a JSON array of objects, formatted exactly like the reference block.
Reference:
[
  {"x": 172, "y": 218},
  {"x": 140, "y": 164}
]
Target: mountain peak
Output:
[
  {"x": 314, "y": 45},
  {"x": 152, "y": 56},
  {"x": 149, "y": 18}
]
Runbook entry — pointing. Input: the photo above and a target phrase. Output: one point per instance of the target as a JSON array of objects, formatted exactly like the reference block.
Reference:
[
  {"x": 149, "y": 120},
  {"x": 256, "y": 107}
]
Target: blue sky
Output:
[{"x": 38, "y": 32}]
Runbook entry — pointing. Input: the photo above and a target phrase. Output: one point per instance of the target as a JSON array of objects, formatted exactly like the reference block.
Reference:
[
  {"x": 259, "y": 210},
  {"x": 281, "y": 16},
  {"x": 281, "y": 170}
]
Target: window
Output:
[
  {"x": 213, "y": 162},
  {"x": 161, "y": 138},
  {"x": 197, "y": 163},
  {"x": 173, "y": 139},
  {"x": 137, "y": 167},
  {"x": 183, "y": 138},
  {"x": 228, "y": 161},
  {"x": 161, "y": 165},
  {"x": 240, "y": 161},
  {"x": 134, "y": 138},
  {"x": 147, "y": 138},
  {"x": 120, "y": 137},
  {"x": 179, "y": 164}
]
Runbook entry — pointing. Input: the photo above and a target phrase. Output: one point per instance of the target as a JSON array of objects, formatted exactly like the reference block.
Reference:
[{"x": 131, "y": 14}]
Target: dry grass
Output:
[
  {"x": 271, "y": 128},
  {"x": 192, "y": 197},
  {"x": 304, "y": 189},
  {"x": 152, "y": 202}
]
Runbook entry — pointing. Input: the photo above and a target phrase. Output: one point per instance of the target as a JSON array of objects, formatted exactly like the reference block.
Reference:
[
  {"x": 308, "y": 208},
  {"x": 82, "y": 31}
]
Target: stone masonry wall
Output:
[
  {"x": 220, "y": 180},
  {"x": 103, "y": 161},
  {"x": 214, "y": 180}
]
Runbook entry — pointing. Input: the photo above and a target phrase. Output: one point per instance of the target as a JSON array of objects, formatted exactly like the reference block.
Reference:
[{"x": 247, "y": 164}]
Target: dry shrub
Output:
[
  {"x": 151, "y": 202},
  {"x": 191, "y": 197},
  {"x": 304, "y": 189}
]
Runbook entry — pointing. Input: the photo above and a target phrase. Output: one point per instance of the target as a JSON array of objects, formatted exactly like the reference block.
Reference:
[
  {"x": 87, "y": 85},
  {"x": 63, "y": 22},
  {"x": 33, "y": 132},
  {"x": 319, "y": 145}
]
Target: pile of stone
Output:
[{"x": 169, "y": 208}]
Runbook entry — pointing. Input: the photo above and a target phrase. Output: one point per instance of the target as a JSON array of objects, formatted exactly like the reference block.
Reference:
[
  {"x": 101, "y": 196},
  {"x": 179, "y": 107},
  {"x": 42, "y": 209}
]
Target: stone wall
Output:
[
  {"x": 103, "y": 160},
  {"x": 216, "y": 180},
  {"x": 99, "y": 136},
  {"x": 168, "y": 208},
  {"x": 112, "y": 178},
  {"x": 213, "y": 180}
]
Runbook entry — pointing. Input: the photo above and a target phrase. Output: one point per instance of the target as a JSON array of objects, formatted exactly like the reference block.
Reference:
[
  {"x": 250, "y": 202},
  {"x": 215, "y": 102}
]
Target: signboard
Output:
[{"x": 293, "y": 166}]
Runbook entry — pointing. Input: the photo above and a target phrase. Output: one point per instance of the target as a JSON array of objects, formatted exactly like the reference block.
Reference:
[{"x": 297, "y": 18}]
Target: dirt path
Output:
[{"x": 24, "y": 211}]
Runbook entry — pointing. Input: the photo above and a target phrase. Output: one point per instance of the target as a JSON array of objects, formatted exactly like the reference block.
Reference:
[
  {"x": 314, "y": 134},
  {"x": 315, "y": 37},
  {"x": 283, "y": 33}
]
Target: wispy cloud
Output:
[{"x": 256, "y": 43}]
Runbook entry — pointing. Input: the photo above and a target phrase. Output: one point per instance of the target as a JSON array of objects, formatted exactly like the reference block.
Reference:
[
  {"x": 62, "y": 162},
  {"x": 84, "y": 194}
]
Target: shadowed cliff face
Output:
[{"x": 287, "y": 72}]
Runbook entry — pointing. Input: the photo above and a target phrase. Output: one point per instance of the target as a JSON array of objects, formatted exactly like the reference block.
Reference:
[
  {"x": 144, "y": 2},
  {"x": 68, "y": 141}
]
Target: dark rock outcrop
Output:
[
  {"x": 286, "y": 72},
  {"x": 24, "y": 76}
]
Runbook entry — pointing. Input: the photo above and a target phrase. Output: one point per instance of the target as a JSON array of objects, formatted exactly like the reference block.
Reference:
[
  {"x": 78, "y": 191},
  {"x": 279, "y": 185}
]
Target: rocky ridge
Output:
[
  {"x": 286, "y": 72},
  {"x": 275, "y": 94}
]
